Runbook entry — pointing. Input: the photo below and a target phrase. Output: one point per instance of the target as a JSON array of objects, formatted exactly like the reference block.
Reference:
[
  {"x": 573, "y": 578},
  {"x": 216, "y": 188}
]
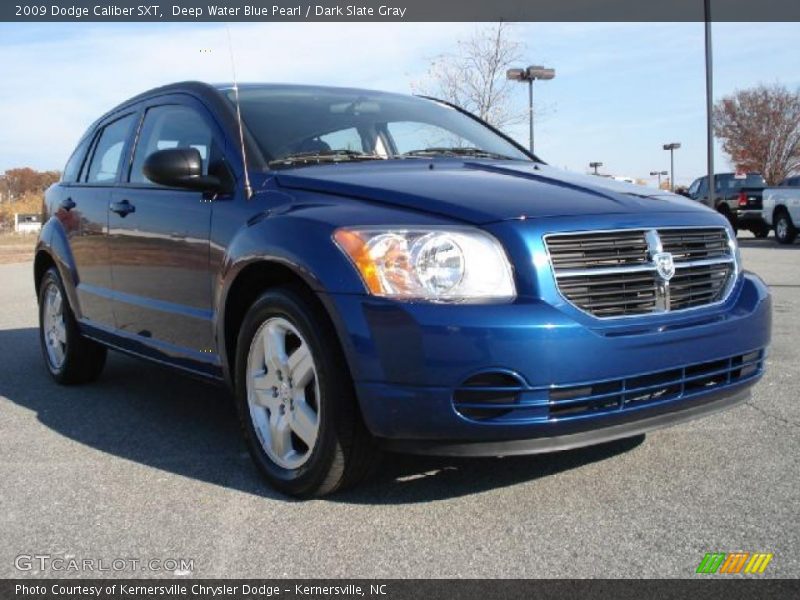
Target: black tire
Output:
[
  {"x": 344, "y": 451},
  {"x": 761, "y": 232},
  {"x": 785, "y": 231},
  {"x": 725, "y": 212},
  {"x": 83, "y": 359}
]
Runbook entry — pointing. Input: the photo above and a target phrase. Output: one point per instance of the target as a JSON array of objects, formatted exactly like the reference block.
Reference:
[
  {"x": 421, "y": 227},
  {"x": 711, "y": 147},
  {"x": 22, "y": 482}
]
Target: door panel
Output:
[
  {"x": 159, "y": 243},
  {"x": 159, "y": 266},
  {"x": 87, "y": 227},
  {"x": 83, "y": 209}
]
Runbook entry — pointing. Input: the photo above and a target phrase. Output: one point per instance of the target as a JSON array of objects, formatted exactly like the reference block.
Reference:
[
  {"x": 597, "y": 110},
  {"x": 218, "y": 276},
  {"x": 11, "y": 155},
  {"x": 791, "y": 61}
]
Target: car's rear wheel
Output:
[
  {"x": 785, "y": 231},
  {"x": 760, "y": 231},
  {"x": 70, "y": 357},
  {"x": 295, "y": 398}
]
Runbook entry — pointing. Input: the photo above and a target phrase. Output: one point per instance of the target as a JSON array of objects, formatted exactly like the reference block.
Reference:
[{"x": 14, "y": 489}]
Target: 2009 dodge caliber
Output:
[{"x": 372, "y": 270}]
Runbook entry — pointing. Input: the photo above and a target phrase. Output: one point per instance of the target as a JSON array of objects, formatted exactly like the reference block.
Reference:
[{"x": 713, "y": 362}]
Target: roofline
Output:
[
  {"x": 213, "y": 98},
  {"x": 197, "y": 88}
]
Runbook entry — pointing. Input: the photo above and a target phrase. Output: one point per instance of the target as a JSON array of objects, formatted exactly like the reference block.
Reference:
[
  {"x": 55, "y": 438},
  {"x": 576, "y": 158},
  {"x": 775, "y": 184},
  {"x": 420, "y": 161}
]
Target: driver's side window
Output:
[{"x": 172, "y": 126}]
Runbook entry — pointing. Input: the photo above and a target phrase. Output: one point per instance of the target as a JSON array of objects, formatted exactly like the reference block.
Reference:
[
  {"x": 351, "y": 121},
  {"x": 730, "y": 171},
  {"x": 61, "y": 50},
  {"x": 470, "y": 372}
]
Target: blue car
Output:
[{"x": 367, "y": 270}]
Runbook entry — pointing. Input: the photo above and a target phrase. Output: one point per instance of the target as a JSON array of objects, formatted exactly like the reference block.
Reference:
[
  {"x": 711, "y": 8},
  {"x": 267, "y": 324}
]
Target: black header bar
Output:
[
  {"x": 703, "y": 587},
  {"x": 397, "y": 10}
]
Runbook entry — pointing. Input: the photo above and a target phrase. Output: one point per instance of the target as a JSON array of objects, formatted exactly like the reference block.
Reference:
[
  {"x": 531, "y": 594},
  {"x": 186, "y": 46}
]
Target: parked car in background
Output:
[
  {"x": 368, "y": 270},
  {"x": 781, "y": 209},
  {"x": 737, "y": 197}
]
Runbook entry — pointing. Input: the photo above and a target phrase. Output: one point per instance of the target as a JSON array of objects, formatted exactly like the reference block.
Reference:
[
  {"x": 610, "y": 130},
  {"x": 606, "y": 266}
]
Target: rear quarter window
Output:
[{"x": 72, "y": 169}]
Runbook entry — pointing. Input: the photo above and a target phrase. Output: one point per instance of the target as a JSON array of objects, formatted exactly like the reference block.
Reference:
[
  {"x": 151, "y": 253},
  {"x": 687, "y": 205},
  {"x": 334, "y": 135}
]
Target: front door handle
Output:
[
  {"x": 122, "y": 208},
  {"x": 68, "y": 204}
]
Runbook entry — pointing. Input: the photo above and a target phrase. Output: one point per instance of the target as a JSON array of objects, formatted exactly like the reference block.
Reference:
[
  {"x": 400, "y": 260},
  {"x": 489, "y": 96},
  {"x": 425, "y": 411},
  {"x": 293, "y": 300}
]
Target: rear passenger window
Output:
[
  {"x": 171, "y": 126},
  {"x": 108, "y": 151},
  {"x": 75, "y": 162}
]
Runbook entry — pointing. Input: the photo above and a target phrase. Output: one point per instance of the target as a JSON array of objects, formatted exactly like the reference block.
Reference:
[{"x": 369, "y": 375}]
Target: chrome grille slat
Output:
[
  {"x": 699, "y": 243},
  {"x": 599, "y": 250},
  {"x": 613, "y": 274}
]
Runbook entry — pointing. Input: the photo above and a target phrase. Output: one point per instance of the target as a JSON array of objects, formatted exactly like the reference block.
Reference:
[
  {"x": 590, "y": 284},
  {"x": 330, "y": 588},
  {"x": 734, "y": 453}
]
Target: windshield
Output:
[{"x": 299, "y": 123}]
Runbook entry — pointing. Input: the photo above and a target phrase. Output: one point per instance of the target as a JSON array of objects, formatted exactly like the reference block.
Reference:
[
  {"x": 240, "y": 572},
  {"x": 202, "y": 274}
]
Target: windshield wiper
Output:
[
  {"x": 456, "y": 151},
  {"x": 316, "y": 158}
]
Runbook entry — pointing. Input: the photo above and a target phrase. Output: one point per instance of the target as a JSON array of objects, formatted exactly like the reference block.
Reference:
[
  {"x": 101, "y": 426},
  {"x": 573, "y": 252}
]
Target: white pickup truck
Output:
[{"x": 781, "y": 209}]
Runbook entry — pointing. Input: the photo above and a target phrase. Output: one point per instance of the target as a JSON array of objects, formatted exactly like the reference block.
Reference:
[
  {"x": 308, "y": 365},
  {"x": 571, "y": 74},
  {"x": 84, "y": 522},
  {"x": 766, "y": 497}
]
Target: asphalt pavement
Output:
[{"x": 147, "y": 464}]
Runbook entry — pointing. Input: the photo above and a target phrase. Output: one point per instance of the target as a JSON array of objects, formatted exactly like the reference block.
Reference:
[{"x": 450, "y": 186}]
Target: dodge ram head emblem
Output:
[{"x": 665, "y": 266}]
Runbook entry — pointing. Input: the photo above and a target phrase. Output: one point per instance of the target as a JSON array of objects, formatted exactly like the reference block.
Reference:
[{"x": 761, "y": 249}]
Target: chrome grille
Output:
[
  {"x": 696, "y": 286},
  {"x": 695, "y": 244},
  {"x": 614, "y": 274},
  {"x": 598, "y": 250}
]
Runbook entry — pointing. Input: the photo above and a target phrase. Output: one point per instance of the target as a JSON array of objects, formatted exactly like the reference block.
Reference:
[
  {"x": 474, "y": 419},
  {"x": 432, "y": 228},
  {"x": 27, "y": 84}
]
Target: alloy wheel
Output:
[
  {"x": 54, "y": 328},
  {"x": 283, "y": 393},
  {"x": 782, "y": 228}
]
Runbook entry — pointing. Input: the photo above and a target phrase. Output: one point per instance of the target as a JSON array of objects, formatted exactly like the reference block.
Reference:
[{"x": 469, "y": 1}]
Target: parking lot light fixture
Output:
[
  {"x": 595, "y": 165},
  {"x": 658, "y": 174},
  {"x": 672, "y": 146},
  {"x": 529, "y": 75}
]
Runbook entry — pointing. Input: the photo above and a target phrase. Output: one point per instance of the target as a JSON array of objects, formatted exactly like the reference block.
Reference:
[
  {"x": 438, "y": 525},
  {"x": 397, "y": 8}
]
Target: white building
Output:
[{"x": 27, "y": 223}]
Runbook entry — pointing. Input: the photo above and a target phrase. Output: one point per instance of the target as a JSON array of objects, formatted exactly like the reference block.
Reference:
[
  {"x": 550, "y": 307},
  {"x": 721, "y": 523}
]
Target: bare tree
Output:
[
  {"x": 473, "y": 77},
  {"x": 760, "y": 130}
]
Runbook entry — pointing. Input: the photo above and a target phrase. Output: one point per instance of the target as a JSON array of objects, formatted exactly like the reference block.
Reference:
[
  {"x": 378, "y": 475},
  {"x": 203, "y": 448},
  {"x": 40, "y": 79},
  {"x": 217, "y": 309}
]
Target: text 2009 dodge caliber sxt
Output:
[{"x": 387, "y": 271}]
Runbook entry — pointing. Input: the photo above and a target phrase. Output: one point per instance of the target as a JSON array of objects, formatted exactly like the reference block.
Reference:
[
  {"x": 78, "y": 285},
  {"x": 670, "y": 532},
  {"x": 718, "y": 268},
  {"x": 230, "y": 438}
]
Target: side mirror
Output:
[{"x": 179, "y": 167}]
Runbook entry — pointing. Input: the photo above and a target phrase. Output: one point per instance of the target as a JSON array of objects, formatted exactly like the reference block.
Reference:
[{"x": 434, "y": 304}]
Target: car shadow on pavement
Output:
[{"x": 150, "y": 415}]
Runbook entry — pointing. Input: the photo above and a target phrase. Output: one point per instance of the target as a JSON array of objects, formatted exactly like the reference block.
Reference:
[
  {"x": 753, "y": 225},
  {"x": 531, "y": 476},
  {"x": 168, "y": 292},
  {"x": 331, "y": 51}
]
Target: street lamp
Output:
[
  {"x": 530, "y": 74},
  {"x": 672, "y": 147},
  {"x": 594, "y": 165},
  {"x": 659, "y": 174}
]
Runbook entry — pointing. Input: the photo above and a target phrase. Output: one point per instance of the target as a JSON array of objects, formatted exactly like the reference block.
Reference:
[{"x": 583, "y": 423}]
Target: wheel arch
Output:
[
  {"x": 780, "y": 209},
  {"x": 249, "y": 282},
  {"x": 52, "y": 250}
]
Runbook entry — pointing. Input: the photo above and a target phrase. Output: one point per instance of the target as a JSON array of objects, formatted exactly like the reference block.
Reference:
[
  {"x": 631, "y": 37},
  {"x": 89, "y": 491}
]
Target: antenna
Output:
[{"x": 248, "y": 190}]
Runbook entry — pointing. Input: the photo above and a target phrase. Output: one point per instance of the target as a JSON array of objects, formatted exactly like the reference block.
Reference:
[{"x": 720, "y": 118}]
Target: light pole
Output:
[
  {"x": 672, "y": 147},
  {"x": 659, "y": 174},
  {"x": 529, "y": 75},
  {"x": 709, "y": 104},
  {"x": 594, "y": 165}
]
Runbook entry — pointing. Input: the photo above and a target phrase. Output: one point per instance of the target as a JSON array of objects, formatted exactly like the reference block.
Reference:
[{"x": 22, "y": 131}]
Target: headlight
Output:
[{"x": 437, "y": 265}]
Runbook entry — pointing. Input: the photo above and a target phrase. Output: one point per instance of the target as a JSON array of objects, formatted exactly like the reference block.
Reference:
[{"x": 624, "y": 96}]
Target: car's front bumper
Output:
[
  {"x": 409, "y": 360},
  {"x": 592, "y": 432}
]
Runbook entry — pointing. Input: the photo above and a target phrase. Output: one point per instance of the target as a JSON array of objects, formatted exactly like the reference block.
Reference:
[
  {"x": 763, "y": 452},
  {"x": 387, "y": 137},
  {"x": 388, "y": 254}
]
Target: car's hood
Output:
[{"x": 483, "y": 191}]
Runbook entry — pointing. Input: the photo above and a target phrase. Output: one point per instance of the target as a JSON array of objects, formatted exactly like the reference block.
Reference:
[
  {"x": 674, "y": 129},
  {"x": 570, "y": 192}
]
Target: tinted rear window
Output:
[
  {"x": 75, "y": 162},
  {"x": 731, "y": 182}
]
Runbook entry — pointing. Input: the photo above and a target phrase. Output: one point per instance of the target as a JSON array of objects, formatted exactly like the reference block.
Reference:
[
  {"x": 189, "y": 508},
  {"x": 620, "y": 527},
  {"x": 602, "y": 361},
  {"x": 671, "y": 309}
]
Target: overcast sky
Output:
[{"x": 621, "y": 90}]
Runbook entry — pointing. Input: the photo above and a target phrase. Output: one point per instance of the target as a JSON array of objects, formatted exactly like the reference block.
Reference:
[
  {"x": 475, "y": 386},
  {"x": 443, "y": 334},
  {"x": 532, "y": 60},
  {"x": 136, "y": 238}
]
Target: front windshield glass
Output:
[{"x": 300, "y": 122}]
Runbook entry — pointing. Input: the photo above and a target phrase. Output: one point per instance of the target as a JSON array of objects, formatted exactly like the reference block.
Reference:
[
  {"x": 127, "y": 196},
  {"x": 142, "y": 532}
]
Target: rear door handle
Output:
[
  {"x": 68, "y": 204},
  {"x": 122, "y": 208}
]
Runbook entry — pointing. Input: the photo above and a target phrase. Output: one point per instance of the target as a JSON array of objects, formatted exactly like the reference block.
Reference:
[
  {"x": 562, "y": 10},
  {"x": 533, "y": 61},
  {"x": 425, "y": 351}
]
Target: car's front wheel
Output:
[
  {"x": 295, "y": 398},
  {"x": 70, "y": 357},
  {"x": 785, "y": 231}
]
